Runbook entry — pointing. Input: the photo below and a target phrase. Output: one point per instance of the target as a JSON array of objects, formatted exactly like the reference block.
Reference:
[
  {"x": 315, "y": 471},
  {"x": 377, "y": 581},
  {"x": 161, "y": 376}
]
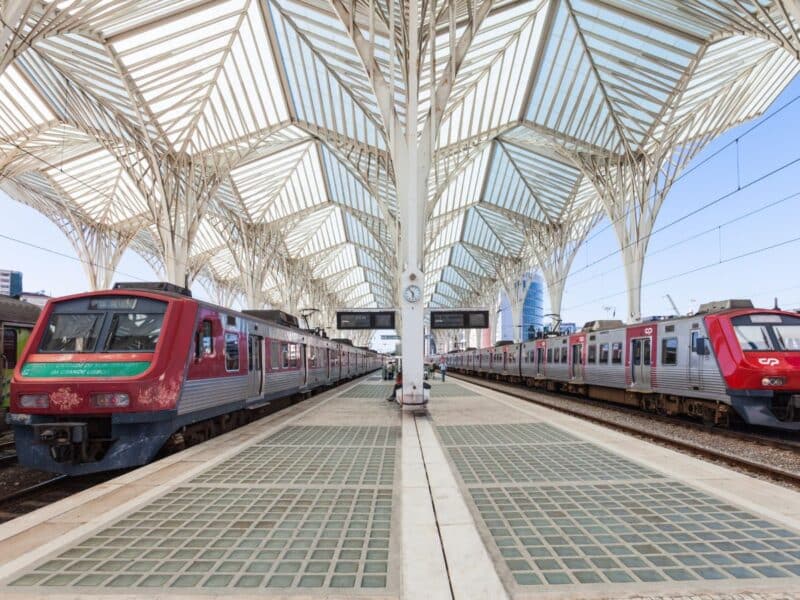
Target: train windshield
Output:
[
  {"x": 768, "y": 332},
  {"x": 72, "y": 333},
  {"x": 104, "y": 324},
  {"x": 132, "y": 332}
]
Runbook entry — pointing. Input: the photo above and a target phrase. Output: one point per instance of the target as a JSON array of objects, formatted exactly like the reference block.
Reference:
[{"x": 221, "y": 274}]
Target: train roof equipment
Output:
[
  {"x": 274, "y": 316},
  {"x": 599, "y": 324},
  {"x": 153, "y": 286},
  {"x": 720, "y": 305}
]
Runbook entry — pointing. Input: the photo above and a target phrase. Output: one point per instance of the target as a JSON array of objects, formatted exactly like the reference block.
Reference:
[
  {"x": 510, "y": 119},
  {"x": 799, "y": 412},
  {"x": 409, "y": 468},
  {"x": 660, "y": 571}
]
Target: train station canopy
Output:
[{"x": 248, "y": 143}]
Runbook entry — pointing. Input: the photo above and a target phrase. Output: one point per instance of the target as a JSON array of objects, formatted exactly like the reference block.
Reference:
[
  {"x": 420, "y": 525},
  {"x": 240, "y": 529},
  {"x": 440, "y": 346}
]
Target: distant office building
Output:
[
  {"x": 532, "y": 286},
  {"x": 10, "y": 283}
]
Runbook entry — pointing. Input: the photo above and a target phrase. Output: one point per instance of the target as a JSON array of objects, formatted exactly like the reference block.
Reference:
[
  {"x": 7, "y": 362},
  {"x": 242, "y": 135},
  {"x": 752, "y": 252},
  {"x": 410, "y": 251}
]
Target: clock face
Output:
[{"x": 412, "y": 293}]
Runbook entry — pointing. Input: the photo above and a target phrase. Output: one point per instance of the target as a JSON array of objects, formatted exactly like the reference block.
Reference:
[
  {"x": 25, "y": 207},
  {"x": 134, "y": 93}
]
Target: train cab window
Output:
[
  {"x": 10, "y": 348},
  {"x": 604, "y": 353},
  {"x": 204, "y": 340},
  {"x": 563, "y": 355},
  {"x": 133, "y": 332},
  {"x": 616, "y": 353},
  {"x": 669, "y": 351},
  {"x": 231, "y": 351},
  {"x": 72, "y": 333},
  {"x": 591, "y": 354}
]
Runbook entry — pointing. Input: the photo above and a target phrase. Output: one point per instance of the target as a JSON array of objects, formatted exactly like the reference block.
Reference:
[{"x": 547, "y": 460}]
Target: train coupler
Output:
[{"x": 68, "y": 441}]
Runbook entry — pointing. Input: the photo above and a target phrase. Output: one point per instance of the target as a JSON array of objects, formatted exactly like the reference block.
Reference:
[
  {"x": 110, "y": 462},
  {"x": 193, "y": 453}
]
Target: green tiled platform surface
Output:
[
  {"x": 296, "y": 465},
  {"x": 501, "y": 435},
  {"x": 377, "y": 390},
  {"x": 634, "y": 532},
  {"x": 561, "y": 513},
  {"x": 441, "y": 389},
  {"x": 310, "y": 507},
  {"x": 334, "y": 436},
  {"x": 522, "y": 463}
]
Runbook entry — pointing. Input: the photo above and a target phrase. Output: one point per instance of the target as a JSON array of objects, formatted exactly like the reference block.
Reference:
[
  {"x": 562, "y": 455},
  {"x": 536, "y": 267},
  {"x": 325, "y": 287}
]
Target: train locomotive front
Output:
[{"x": 98, "y": 385}]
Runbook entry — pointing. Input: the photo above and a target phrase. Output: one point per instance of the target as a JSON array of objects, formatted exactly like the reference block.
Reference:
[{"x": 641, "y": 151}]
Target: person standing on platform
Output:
[{"x": 442, "y": 367}]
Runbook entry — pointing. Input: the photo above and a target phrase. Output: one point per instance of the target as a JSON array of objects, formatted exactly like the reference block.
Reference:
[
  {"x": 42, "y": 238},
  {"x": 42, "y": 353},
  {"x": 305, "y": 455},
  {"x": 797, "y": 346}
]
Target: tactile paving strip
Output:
[
  {"x": 633, "y": 532},
  {"x": 521, "y": 463},
  {"x": 241, "y": 538},
  {"x": 297, "y": 465},
  {"x": 266, "y": 518}
]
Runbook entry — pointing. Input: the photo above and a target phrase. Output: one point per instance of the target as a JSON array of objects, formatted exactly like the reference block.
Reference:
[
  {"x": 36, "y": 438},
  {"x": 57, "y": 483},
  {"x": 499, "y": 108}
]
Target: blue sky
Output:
[{"x": 595, "y": 287}]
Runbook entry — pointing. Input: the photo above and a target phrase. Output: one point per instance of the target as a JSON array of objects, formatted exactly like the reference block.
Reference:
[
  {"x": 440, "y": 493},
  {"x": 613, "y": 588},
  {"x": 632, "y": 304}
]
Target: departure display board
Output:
[
  {"x": 365, "y": 320},
  {"x": 459, "y": 319}
]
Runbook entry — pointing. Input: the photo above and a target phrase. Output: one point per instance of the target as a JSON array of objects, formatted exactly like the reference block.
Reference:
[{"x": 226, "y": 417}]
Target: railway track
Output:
[
  {"x": 33, "y": 497},
  {"x": 755, "y": 467},
  {"x": 8, "y": 454}
]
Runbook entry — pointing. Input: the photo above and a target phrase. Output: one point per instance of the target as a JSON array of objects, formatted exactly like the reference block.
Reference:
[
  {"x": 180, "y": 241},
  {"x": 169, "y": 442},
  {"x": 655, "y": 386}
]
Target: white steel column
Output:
[{"x": 412, "y": 165}]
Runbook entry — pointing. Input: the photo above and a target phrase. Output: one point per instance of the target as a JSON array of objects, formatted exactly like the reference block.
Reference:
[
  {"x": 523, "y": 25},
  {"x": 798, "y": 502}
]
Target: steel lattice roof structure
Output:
[{"x": 252, "y": 143}]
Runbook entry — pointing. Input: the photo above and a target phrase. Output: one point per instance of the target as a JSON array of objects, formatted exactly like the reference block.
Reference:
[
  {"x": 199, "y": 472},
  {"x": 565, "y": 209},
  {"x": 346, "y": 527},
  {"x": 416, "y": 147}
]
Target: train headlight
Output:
[
  {"x": 110, "y": 400},
  {"x": 773, "y": 381},
  {"x": 34, "y": 400}
]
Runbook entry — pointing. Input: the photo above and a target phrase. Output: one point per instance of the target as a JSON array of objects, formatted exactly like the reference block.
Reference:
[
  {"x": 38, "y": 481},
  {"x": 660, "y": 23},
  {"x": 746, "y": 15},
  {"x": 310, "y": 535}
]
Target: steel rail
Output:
[{"x": 737, "y": 461}]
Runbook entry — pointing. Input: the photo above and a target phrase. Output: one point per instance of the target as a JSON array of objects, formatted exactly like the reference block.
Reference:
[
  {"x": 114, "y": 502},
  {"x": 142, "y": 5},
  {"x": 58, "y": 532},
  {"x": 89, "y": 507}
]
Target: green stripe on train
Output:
[{"x": 86, "y": 369}]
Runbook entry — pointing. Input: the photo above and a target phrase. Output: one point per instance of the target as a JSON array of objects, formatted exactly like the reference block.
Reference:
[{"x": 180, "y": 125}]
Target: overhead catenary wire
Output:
[{"x": 692, "y": 271}]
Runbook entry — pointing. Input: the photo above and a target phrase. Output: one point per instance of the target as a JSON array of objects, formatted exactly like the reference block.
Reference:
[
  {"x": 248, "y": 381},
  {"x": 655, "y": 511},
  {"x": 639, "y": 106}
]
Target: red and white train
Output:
[
  {"x": 729, "y": 361},
  {"x": 109, "y": 377}
]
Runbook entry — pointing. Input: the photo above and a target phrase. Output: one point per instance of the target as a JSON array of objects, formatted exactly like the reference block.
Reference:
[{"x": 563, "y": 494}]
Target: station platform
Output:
[{"x": 345, "y": 495}]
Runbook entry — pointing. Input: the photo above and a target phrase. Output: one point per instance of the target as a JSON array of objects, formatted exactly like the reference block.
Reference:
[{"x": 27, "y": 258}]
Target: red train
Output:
[
  {"x": 727, "y": 362},
  {"x": 108, "y": 378}
]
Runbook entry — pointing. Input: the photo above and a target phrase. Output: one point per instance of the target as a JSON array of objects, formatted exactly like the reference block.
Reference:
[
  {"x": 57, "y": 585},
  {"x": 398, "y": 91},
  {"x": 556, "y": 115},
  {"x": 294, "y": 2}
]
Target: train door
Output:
[
  {"x": 327, "y": 364},
  {"x": 640, "y": 362},
  {"x": 697, "y": 360},
  {"x": 255, "y": 365},
  {"x": 540, "y": 360},
  {"x": 304, "y": 365},
  {"x": 577, "y": 353}
]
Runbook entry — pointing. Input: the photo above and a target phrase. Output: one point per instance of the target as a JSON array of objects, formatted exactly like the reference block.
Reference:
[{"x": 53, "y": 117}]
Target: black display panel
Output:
[
  {"x": 459, "y": 319},
  {"x": 365, "y": 320}
]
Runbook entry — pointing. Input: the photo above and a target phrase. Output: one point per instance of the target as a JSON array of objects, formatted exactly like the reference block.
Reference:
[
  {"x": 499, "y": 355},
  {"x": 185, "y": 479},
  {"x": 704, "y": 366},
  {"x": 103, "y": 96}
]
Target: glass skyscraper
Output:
[{"x": 532, "y": 285}]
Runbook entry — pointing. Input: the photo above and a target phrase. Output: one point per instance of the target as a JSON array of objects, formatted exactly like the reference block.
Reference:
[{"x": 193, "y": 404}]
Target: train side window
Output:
[
  {"x": 700, "y": 344},
  {"x": 10, "y": 348},
  {"x": 669, "y": 351},
  {"x": 549, "y": 355},
  {"x": 204, "y": 340},
  {"x": 591, "y": 354},
  {"x": 563, "y": 355},
  {"x": 312, "y": 357},
  {"x": 284, "y": 356},
  {"x": 616, "y": 353},
  {"x": 231, "y": 351},
  {"x": 275, "y": 355},
  {"x": 295, "y": 355},
  {"x": 604, "y": 353}
]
